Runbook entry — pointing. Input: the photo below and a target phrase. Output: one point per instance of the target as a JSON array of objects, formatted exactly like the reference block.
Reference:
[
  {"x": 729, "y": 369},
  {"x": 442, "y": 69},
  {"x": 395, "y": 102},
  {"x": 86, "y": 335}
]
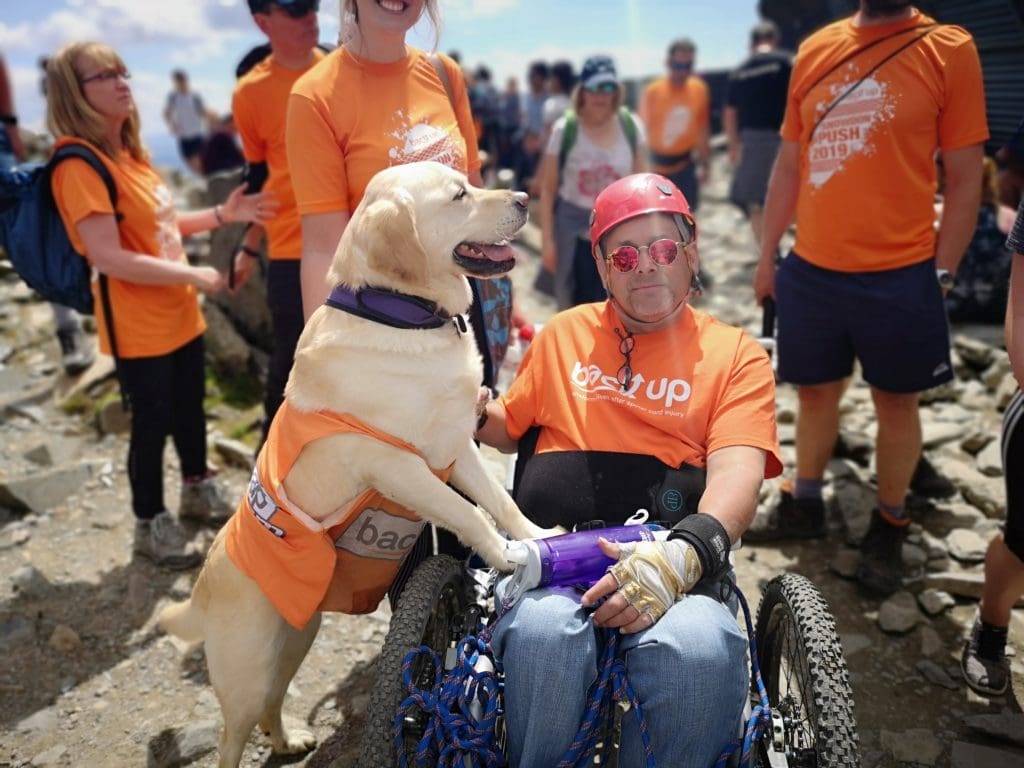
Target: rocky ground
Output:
[{"x": 89, "y": 680}]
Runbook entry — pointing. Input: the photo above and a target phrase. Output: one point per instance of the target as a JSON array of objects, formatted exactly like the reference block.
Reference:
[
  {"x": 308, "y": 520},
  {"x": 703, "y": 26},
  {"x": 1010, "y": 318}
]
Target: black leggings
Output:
[
  {"x": 165, "y": 394},
  {"x": 1013, "y": 471},
  {"x": 284, "y": 298}
]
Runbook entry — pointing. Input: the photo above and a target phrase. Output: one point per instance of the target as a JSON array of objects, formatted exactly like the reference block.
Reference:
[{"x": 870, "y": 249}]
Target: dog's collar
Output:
[{"x": 397, "y": 310}]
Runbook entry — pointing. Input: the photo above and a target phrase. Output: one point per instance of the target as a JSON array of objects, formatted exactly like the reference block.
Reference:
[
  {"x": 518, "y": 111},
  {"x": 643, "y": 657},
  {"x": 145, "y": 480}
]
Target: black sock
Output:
[{"x": 992, "y": 641}]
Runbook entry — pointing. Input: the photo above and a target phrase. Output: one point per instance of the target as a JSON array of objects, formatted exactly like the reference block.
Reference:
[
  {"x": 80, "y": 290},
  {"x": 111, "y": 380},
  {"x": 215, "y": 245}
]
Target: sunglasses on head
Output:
[
  {"x": 663, "y": 252},
  {"x": 297, "y": 9},
  {"x": 602, "y": 88}
]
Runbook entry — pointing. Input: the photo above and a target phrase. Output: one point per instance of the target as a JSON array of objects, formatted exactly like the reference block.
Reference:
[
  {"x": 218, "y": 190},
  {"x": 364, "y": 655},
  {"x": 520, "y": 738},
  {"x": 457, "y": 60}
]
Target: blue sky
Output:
[{"x": 207, "y": 37}]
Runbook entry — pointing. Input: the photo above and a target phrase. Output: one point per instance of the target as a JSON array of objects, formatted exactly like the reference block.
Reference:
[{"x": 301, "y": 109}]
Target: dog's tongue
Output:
[{"x": 489, "y": 251}]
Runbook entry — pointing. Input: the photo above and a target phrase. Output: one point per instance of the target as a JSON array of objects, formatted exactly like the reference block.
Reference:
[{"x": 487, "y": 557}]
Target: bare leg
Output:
[
  {"x": 898, "y": 447},
  {"x": 817, "y": 427},
  {"x": 1004, "y": 583}
]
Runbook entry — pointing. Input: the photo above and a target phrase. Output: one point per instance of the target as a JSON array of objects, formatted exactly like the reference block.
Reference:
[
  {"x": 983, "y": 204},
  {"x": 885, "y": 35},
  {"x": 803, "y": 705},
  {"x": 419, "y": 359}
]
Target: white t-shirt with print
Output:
[{"x": 589, "y": 168}]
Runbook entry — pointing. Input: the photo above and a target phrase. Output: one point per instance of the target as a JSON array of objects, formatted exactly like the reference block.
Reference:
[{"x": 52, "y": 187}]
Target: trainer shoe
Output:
[
  {"x": 988, "y": 675},
  {"x": 162, "y": 540},
  {"x": 205, "y": 500},
  {"x": 880, "y": 571},
  {"x": 76, "y": 352},
  {"x": 929, "y": 483},
  {"x": 793, "y": 518}
]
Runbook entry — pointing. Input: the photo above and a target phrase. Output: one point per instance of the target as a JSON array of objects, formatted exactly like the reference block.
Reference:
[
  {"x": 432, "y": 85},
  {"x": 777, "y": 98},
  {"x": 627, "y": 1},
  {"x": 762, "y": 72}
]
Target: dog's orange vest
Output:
[{"x": 300, "y": 567}]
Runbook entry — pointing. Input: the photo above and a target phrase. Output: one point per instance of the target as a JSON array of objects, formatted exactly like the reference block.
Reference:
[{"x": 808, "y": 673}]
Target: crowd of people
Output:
[{"x": 628, "y": 387}]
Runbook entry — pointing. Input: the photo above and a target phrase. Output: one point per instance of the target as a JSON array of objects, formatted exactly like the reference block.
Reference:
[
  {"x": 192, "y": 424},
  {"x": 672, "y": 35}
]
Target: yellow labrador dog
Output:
[{"x": 381, "y": 396}]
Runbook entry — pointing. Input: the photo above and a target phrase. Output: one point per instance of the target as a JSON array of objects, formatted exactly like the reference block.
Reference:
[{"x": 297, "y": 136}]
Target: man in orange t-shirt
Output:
[
  {"x": 872, "y": 98},
  {"x": 260, "y": 107},
  {"x": 677, "y": 112},
  {"x": 633, "y": 402}
]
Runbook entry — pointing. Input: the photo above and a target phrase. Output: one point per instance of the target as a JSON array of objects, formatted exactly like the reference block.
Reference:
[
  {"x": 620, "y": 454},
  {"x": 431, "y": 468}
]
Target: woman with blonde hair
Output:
[
  {"x": 590, "y": 146},
  {"x": 154, "y": 319}
]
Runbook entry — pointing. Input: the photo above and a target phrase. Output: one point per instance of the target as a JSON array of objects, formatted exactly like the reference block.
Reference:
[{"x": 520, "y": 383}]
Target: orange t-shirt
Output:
[
  {"x": 675, "y": 114},
  {"x": 697, "y": 387},
  {"x": 349, "y": 118},
  {"x": 149, "y": 320},
  {"x": 260, "y": 108},
  {"x": 868, "y": 175},
  {"x": 346, "y": 563}
]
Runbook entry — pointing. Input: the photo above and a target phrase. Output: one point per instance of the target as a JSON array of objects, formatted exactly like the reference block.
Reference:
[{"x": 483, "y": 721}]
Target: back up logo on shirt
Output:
[
  {"x": 843, "y": 134},
  {"x": 379, "y": 535},
  {"x": 661, "y": 392},
  {"x": 262, "y": 505}
]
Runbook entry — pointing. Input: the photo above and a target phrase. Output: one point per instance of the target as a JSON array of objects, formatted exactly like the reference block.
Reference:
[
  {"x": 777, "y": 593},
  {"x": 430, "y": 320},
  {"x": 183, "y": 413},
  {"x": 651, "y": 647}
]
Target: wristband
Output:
[
  {"x": 250, "y": 251},
  {"x": 9, "y": 119},
  {"x": 708, "y": 538},
  {"x": 220, "y": 219}
]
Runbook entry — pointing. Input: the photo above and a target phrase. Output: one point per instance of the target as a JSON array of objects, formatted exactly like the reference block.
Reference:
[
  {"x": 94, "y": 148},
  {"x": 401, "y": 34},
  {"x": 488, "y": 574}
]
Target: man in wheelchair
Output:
[{"x": 623, "y": 404}]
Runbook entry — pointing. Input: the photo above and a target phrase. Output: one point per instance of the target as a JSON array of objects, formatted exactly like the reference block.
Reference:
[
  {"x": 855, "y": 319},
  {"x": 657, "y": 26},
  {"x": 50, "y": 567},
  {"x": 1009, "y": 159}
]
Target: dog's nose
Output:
[{"x": 521, "y": 199}]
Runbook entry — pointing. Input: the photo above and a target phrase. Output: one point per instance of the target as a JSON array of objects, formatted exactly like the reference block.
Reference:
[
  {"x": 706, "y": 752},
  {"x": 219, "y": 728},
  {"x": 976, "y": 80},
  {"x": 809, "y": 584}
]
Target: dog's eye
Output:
[{"x": 460, "y": 194}]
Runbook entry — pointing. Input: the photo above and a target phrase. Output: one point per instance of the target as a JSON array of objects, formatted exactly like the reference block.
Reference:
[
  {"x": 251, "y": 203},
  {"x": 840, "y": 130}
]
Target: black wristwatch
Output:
[{"x": 945, "y": 278}]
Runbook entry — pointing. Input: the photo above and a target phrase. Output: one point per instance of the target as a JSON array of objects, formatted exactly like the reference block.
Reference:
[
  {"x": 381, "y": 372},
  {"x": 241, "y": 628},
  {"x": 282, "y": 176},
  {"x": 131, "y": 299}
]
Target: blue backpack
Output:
[{"x": 33, "y": 235}]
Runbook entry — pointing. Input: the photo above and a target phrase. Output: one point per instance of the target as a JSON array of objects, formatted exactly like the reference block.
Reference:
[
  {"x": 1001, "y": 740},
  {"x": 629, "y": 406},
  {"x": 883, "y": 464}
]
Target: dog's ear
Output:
[{"x": 391, "y": 240}]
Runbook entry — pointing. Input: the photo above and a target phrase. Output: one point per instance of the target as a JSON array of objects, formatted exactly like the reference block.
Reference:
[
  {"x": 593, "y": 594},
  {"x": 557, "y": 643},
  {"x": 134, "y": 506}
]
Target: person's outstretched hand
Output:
[
  {"x": 208, "y": 280},
  {"x": 242, "y": 207}
]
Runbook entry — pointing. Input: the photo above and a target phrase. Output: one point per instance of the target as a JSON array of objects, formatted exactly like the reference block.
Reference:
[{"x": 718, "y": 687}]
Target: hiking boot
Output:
[
  {"x": 205, "y": 501},
  {"x": 76, "y": 352},
  {"x": 929, "y": 483},
  {"x": 162, "y": 540},
  {"x": 793, "y": 518},
  {"x": 987, "y": 674},
  {"x": 880, "y": 572}
]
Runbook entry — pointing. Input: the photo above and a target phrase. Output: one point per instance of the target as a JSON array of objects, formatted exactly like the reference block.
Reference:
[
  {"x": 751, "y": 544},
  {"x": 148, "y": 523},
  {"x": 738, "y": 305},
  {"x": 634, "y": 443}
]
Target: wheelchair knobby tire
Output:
[
  {"x": 796, "y": 637},
  {"x": 431, "y": 598}
]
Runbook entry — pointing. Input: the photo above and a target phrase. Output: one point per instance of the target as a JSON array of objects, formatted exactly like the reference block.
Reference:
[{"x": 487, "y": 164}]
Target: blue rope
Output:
[
  {"x": 611, "y": 686},
  {"x": 761, "y": 716},
  {"x": 454, "y": 738}
]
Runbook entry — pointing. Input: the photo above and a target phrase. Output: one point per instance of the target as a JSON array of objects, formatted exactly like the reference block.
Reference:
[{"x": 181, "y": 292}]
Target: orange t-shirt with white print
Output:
[
  {"x": 260, "y": 108},
  {"x": 149, "y": 320},
  {"x": 868, "y": 175},
  {"x": 697, "y": 387},
  {"x": 349, "y": 118},
  {"x": 675, "y": 114}
]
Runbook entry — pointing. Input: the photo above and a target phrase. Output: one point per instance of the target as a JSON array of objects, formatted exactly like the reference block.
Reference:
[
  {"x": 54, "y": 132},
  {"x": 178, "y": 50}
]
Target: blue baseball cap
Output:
[{"x": 598, "y": 70}]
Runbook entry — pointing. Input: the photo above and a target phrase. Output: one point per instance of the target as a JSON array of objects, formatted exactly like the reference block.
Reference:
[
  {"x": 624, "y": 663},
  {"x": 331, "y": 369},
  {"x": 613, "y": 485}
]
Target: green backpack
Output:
[{"x": 572, "y": 125}]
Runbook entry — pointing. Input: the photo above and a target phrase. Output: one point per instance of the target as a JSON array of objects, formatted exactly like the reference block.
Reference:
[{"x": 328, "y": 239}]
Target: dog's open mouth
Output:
[{"x": 485, "y": 259}]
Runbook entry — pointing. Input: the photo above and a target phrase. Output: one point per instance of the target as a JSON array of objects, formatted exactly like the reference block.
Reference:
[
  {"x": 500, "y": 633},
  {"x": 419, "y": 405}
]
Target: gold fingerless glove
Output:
[{"x": 654, "y": 575}]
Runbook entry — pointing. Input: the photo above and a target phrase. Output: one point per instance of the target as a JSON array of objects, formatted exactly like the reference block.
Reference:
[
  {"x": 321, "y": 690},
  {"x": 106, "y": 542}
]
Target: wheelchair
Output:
[
  {"x": 804, "y": 674},
  {"x": 797, "y": 646}
]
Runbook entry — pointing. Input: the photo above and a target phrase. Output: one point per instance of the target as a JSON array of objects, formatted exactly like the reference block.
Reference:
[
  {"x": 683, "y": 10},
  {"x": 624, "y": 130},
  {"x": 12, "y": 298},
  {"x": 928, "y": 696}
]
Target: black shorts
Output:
[
  {"x": 1013, "y": 471},
  {"x": 190, "y": 146},
  {"x": 892, "y": 321}
]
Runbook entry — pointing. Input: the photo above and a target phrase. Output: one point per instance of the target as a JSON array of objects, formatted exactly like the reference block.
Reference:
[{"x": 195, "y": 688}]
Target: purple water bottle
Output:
[{"x": 569, "y": 559}]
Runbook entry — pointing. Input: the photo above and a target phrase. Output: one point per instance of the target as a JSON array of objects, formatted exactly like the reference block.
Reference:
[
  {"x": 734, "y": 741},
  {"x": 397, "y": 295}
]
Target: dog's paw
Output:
[
  {"x": 296, "y": 741},
  {"x": 546, "y": 533}
]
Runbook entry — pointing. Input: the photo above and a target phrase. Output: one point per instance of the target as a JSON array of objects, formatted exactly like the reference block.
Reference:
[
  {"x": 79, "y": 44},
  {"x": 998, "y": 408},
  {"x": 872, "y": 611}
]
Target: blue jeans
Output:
[{"x": 689, "y": 671}]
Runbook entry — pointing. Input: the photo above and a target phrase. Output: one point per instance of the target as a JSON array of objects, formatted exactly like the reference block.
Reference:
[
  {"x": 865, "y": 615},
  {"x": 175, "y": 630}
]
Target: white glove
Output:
[{"x": 654, "y": 575}]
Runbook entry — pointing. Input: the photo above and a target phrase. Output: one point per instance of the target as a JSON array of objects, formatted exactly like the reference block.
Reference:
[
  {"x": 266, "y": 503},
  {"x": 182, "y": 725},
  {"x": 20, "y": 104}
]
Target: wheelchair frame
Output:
[{"x": 798, "y": 648}]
